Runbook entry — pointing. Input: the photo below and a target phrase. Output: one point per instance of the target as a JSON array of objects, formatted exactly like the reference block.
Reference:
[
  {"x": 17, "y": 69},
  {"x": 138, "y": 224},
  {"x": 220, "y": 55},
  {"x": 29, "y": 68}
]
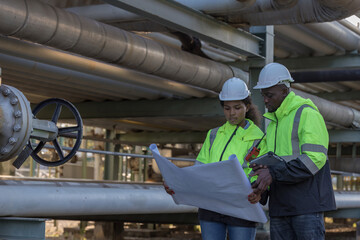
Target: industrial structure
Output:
[{"x": 150, "y": 72}]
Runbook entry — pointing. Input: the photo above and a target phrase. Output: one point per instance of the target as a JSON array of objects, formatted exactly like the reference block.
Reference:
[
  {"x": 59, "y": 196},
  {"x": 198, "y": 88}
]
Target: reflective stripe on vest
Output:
[
  {"x": 213, "y": 136},
  {"x": 305, "y": 147}
]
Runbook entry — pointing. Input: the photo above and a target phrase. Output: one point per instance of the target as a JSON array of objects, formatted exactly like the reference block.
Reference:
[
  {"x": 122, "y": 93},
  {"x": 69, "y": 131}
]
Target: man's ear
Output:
[{"x": 285, "y": 91}]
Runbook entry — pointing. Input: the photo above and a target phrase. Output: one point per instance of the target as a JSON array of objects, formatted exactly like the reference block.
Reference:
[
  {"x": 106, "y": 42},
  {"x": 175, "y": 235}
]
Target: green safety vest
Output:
[
  {"x": 240, "y": 145},
  {"x": 302, "y": 184},
  {"x": 297, "y": 130}
]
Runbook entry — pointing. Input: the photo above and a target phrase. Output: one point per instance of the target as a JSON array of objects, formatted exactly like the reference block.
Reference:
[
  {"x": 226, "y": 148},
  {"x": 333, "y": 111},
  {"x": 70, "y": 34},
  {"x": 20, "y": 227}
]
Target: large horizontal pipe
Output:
[
  {"x": 109, "y": 13},
  {"x": 260, "y": 12},
  {"x": 38, "y": 53},
  {"x": 59, "y": 75},
  {"x": 41, "y": 199},
  {"x": 333, "y": 112},
  {"x": 327, "y": 76},
  {"x": 65, "y": 198},
  {"x": 41, "y": 23}
]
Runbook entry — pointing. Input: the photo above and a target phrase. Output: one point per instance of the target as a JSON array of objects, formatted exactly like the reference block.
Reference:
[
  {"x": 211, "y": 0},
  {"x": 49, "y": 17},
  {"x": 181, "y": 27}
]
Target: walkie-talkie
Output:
[{"x": 254, "y": 151}]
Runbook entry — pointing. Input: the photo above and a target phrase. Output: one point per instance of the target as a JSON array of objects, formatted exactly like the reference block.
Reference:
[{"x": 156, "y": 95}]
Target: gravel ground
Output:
[{"x": 344, "y": 229}]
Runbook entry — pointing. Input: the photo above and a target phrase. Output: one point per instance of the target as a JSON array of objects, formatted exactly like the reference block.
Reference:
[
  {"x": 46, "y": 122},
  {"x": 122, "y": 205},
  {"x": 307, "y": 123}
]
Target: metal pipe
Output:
[
  {"x": 121, "y": 154},
  {"x": 350, "y": 26},
  {"x": 84, "y": 199},
  {"x": 60, "y": 75},
  {"x": 308, "y": 39},
  {"x": 42, "y": 23},
  {"x": 347, "y": 200},
  {"x": 326, "y": 76},
  {"x": 212, "y": 52},
  {"x": 304, "y": 11},
  {"x": 65, "y": 198},
  {"x": 109, "y": 13},
  {"x": 35, "y": 52},
  {"x": 265, "y": 7},
  {"x": 261, "y": 12},
  {"x": 336, "y": 33},
  {"x": 334, "y": 113}
]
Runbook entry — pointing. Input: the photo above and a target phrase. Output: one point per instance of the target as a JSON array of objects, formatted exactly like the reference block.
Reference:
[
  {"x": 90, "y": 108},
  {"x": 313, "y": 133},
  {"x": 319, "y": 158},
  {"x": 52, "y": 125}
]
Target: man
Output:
[{"x": 300, "y": 187}]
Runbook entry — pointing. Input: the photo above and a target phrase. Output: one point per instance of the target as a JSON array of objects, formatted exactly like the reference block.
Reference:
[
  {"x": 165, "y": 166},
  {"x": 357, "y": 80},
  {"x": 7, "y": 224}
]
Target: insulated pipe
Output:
[
  {"x": 347, "y": 199},
  {"x": 212, "y": 52},
  {"x": 327, "y": 76},
  {"x": 350, "y": 26},
  {"x": 332, "y": 112},
  {"x": 308, "y": 39},
  {"x": 35, "y": 52},
  {"x": 44, "y": 24},
  {"x": 261, "y": 12},
  {"x": 29, "y": 83},
  {"x": 270, "y": 5},
  {"x": 110, "y": 87},
  {"x": 304, "y": 11},
  {"x": 293, "y": 47},
  {"x": 66, "y": 199},
  {"x": 84, "y": 199},
  {"x": 336, "y": 33},
  {"x": 109, "y": 13}
]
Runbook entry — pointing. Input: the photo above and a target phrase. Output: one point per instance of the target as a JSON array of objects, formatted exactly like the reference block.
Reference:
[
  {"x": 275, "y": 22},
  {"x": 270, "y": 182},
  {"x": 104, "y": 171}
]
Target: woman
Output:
[{"x": 237, "y": 136}]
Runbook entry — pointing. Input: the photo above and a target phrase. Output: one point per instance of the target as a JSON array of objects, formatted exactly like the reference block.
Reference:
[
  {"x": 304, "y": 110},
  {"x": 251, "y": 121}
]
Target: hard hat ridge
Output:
[{"x": 234, "y": 89}]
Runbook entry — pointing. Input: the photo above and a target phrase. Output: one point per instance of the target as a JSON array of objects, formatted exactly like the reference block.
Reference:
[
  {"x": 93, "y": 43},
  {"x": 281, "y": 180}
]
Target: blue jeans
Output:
[
  {"x": 301, "y": 227},
  {"x": 218, "y": 231}
]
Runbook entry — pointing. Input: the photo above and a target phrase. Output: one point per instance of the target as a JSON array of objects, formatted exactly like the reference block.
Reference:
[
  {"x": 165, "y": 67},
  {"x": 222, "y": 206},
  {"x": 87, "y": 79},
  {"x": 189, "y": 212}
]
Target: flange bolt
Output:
[
  {"x": 14, "y": 101},
  {"x": 12, "y": 140},
  {"x": 6, "y": 92},
  {"x": 17, "y": 114},
  {"x": 17, "y": 127}
]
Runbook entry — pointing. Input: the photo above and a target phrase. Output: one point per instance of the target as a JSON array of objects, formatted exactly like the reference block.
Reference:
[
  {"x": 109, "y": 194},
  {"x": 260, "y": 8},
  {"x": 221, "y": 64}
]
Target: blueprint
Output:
[{"x": 220, "y": 187}]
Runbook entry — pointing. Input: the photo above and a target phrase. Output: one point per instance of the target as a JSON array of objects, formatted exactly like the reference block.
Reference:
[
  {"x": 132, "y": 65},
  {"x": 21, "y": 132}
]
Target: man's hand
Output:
[
  {"x": 264, "y": 178},
  {"x": 168, "y": 190},
  {"x": 254, "y": 197},
  {"x": 255, "y": 167}
]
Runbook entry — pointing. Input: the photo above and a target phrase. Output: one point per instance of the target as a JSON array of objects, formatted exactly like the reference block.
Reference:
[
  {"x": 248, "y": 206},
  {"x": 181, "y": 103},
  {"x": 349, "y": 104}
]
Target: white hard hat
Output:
[
  {"x": 234, "y": 89},
  {"x": 273, "y": 74}
]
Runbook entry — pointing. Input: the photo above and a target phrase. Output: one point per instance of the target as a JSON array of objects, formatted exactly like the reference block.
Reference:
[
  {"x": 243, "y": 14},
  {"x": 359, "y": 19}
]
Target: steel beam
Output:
[
  {"x": 184, "y": 19},
  {"x": 340, "y": 96},
  {"x": 344, "y": 136}
]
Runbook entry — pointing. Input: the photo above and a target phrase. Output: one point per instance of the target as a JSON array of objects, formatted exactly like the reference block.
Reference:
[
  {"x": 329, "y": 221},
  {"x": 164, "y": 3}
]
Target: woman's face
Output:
[{"x": 235, "y": 112}]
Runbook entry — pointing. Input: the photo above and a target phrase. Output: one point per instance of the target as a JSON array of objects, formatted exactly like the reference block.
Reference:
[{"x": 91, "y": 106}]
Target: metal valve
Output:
[{"x": 19, "y": 125}]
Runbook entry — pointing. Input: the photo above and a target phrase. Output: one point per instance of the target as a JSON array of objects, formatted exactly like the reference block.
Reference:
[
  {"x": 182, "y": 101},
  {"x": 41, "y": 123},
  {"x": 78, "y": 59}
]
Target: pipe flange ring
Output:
[{"x": 16, "y": 122}]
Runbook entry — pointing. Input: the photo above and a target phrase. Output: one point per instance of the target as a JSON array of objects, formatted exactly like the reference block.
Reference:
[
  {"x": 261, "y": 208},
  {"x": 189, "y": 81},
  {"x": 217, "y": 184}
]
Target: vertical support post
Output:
[
  {"x": 146, "y": 168},
  {"x": 267, "y": 50},
  {"x": 31, "y": 168},
  {"x": 354, "y": 181},
  {"x": 121, "y": 166},
  {"x": 339, "y": 178},
  {"x": 109, "y": 159},
  {"x": 140, "y": 177},
  {"x": 84, "y": 162},
  {"x": 267, "y": 46},
  {"x": 117, "y": 147}
]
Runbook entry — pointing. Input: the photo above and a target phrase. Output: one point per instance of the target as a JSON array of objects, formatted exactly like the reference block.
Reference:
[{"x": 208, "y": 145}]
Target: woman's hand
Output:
[{"x": 168, "y": 190}]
